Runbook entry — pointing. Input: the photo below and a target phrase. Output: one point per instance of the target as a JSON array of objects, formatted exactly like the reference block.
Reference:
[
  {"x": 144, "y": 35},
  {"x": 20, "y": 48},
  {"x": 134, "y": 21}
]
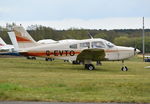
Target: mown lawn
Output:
[{"x": 38, "y": 80}]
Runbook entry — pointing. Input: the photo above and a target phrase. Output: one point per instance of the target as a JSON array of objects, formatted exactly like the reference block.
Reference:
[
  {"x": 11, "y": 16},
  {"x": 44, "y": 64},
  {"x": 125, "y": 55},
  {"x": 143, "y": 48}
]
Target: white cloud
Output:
[
  {"x": 4, "y": 10},
  {"x": 106, "y": 23}
]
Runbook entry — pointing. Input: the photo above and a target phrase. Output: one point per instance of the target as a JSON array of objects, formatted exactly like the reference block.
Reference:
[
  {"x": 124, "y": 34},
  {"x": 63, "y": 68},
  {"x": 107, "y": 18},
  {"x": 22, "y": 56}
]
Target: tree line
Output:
[{"x": 123, "y": 37}]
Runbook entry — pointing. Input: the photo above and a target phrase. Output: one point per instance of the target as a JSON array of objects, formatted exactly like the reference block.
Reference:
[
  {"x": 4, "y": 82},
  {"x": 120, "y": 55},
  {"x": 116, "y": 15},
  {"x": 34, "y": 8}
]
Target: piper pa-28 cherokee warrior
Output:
[{"x": 86, "y": 50}]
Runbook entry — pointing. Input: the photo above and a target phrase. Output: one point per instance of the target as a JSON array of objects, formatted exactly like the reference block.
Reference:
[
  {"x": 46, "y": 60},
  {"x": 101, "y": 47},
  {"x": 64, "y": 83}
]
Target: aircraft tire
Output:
[
  {"x": 124, "y": 68},
  {"x": 28, "y": 57},
  {"x": 76, "y": 62},
  {"x": 50, "y": 59},
  {"x": 33, "y": 58},
  {"x": 89, "y": 66}
]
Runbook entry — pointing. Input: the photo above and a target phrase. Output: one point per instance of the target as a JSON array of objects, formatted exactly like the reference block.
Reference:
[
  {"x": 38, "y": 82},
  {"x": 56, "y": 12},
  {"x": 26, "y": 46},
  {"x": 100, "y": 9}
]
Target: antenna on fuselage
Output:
[{"x": 89, "y": 34}]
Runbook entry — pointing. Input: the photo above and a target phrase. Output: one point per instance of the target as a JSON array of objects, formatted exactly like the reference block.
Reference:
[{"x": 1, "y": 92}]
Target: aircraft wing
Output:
[{"x": 92, "y": 54}]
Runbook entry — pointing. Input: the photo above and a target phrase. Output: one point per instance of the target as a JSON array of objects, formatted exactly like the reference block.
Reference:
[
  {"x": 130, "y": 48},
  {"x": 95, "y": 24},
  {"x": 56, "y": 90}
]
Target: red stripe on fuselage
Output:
[{"x": 42, "y": 54}]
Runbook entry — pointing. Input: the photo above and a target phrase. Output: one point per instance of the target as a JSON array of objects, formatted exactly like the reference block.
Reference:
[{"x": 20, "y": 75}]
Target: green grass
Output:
[{"x": 37, "y": 80}]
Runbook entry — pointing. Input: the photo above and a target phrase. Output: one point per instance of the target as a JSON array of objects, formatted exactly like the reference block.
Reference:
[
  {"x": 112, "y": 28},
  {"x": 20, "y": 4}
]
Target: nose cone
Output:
[{"x": 137, "y": 50}]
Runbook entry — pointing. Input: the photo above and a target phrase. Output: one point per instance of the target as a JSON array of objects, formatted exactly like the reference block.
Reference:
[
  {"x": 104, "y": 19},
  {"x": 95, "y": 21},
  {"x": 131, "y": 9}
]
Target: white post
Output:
[{"x": 143, "y": 40}]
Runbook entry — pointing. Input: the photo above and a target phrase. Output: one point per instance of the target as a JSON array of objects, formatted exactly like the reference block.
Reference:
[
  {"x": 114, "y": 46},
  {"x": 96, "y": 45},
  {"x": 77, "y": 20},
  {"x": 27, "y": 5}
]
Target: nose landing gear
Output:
[{"x": 124, "y": 68}]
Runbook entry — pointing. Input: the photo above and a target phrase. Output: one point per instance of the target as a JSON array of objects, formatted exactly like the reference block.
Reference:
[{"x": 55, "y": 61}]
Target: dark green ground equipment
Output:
[
  {"x": 89, "y": 55},
  {"x": 92, "y": 54}
]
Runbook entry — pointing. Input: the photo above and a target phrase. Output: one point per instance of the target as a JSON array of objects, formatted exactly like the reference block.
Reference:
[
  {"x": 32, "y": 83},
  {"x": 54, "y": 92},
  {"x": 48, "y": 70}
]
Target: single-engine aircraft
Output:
[{"x": 86, "y": 50}]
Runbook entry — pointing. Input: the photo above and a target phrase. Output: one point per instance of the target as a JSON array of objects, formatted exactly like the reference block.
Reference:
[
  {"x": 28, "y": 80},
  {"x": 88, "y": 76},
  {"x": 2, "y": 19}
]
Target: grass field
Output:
[{"x": 37, "y": 80}]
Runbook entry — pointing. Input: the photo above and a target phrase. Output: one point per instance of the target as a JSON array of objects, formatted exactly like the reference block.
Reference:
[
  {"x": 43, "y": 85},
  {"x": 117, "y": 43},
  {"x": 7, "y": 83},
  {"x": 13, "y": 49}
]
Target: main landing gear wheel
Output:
[
  {"x": 124, "y": 68},
  {"x": 89, "y": 66},
  {"x": 31, "y": 57},
  {"x": 48, "y": 59}
]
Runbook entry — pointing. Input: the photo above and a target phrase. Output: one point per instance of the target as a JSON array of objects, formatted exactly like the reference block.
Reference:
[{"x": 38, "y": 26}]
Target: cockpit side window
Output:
[
  {"x": 98, "y": 44},
  {"x": 74, "y": 46},
  {"x": 109, "y": 44},
  {"x": 85, "y": 45}
]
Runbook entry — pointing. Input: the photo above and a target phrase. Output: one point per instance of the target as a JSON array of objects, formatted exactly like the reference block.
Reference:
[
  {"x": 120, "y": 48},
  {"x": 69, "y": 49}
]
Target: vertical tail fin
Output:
[{"x": 23, "y": 38}]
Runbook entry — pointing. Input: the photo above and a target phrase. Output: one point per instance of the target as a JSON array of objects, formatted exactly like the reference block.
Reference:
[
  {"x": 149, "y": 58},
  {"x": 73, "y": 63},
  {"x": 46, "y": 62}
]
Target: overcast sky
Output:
[{"x": 64, "y": 14}]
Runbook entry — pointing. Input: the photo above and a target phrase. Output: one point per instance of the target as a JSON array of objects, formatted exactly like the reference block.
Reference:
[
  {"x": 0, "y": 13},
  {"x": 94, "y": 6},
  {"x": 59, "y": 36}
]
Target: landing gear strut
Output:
[
  {"x": 98, "y": 63},
  {"x": 124, "y": 68}
]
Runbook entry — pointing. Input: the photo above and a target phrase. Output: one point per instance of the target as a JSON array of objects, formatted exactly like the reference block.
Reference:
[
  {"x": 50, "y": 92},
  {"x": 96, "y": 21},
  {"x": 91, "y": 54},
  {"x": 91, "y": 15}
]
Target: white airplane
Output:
[
  {"x": 5, "y": 48},
  {"x": 86, "y": 50}
]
